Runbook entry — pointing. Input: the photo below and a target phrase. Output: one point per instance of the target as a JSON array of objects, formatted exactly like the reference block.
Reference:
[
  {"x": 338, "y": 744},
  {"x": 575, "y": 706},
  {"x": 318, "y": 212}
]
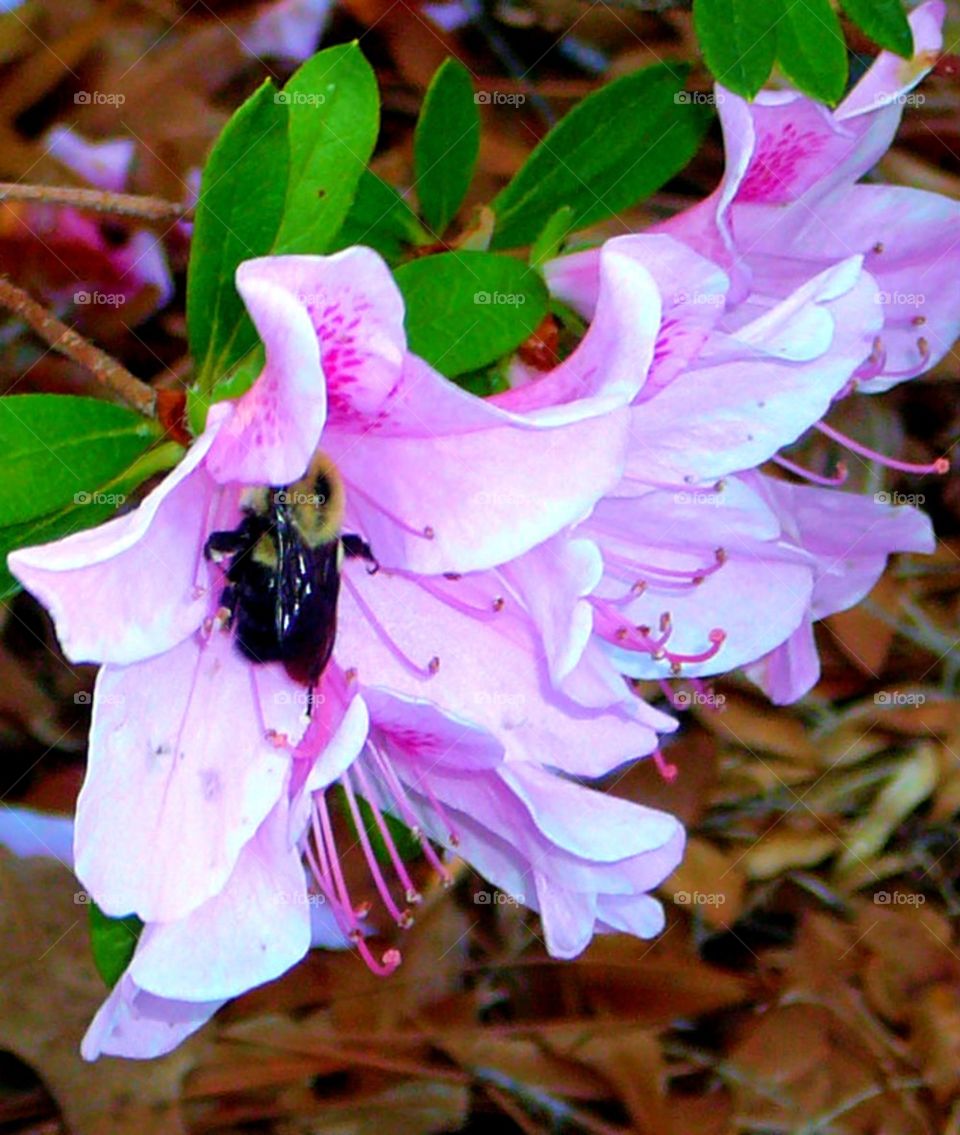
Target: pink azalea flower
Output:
[
  {"x": 847, "y": 539},
  {"x": 789, "y": 206},
  {"x": 209, "y": 772},
  {"x": 286, "y": 29},
  {"x": 727, "y": 386}
]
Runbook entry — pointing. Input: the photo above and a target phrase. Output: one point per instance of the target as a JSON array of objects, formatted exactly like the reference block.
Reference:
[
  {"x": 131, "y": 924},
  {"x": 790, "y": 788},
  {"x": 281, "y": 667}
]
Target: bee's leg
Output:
[
  {"x": 220, "y": 545},
  {"x": 228, "y": 602},
  {"x": 356, "y": 548}
]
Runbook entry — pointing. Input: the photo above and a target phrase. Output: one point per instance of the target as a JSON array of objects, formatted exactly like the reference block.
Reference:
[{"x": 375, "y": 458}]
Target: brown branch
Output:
[
  {"x": 68, "y": 342},
  {"x": 96, "y": 200}
]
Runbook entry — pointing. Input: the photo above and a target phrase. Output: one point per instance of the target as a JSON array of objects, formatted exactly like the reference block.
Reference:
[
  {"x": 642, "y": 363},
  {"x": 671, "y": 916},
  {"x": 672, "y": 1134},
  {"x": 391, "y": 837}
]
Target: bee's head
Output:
[{"x": 316, "y": 501}]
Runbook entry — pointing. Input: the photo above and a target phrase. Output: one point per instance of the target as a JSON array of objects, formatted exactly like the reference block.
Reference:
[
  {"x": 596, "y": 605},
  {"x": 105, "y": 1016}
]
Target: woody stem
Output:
[{"x": 68, "y": 342}]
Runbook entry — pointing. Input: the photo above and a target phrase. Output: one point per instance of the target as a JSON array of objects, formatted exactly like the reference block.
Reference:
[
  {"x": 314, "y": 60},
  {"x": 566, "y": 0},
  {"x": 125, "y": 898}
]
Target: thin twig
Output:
[
  {"x": 96, "y": 200},
  {"x": 68, "y": 342}
]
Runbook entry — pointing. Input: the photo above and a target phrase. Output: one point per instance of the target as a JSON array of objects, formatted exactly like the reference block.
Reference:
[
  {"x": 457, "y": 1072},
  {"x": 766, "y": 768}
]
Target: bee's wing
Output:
[{"x": 308, "y": 586}]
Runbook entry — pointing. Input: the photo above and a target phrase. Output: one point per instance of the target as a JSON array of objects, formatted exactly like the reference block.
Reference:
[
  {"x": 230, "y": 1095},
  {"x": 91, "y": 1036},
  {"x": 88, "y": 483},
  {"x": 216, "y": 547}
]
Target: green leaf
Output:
[
  {"x": 334, "y": 118},
  {"x": 58, "y": 448},
  {"x": 551, "y": 238},
  {"x": 884, "y": 21},
  {"x": 101, "y": 503},
  {"x": 112, "y": 942},
  {"x": 281, "y": 178},
  {"x": 407, "y": 845},
  {"x": 379, "y": 217},
  {"x": 739, "y": 41},
  {"x": 446, "y": 144},
  {"x": 617, "y": 146},
  {"x": 810, "y": 48},
  {"x": 242, "y": 195},
  {"x": 465, "y": 309}
]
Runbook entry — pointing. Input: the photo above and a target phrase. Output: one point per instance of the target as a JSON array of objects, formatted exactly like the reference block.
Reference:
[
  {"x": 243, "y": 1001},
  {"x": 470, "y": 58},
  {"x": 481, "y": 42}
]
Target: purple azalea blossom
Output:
[
  {"x": 209, "y": 772},
  {"x": 789, "y": 206},
  {"x": 751, "y": 350}
]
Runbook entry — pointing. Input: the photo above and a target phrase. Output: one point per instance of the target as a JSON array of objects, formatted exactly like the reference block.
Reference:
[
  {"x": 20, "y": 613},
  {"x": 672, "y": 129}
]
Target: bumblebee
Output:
[{"x": 283, "y": 575}]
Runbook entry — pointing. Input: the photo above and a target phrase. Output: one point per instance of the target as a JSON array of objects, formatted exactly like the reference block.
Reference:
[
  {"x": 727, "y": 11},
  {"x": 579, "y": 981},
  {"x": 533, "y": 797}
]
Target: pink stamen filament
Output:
[
  {"x": 421, "y": 671},
  {"x": 407, "y": 813},
  {"x": 402, "y": 918},
  {"x": 425, "y": 533},
  {"x": 343, "y": 908},
  {"x": 816, "y": 478},
  {"x": 612, "y": 627},
  {"x": 458, "y": 604},
  {"x": 411, "y": 894},
  {"x": 667, "y": 770},
  {"x": 677, "y": 578},
  {"x": 941, "y": 465}
]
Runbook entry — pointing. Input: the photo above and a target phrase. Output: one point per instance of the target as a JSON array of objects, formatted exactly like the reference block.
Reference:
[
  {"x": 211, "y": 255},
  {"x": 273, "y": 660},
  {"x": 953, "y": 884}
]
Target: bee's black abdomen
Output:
[{"x": 281, "y": 591}]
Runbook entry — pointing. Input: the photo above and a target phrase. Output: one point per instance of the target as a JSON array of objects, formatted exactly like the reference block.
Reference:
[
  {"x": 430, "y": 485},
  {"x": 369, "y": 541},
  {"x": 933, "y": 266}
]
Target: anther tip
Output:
[
  {"x": 717, "y": 635},
  {"x": 941, "y": 465}
]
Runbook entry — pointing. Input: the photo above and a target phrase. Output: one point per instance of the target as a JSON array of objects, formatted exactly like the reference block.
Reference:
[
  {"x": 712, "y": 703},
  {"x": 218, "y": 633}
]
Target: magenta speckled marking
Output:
[{"x": 773, "y": 169}]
